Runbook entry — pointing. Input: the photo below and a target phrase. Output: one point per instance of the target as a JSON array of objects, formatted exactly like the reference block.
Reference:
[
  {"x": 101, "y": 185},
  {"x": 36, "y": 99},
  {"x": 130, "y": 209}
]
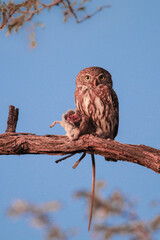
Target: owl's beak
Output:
[{"x": 95, "y": 82}]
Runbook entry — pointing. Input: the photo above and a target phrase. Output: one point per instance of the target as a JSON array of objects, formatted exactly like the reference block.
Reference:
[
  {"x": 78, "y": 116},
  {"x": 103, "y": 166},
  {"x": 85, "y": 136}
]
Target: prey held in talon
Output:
[{"x": 96, "y": 112}]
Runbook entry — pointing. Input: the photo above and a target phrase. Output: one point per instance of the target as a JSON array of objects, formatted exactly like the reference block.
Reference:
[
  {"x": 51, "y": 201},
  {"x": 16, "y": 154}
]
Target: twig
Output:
[
  {"x": 31, "y": 13},
  {"x": 17, "y": 6},
  {"x": 9, "y": 16},
  {"x": 87, "y": 16},
  {"x": 72, "y": 11},
  {"x": 61, "y": 159},
  {"x": 77, "y": 162},
  {"x": 92, "y": 14}
]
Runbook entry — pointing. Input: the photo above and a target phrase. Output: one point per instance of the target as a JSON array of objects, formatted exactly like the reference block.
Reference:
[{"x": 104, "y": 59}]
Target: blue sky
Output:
[{"x": 125, "y": 40}]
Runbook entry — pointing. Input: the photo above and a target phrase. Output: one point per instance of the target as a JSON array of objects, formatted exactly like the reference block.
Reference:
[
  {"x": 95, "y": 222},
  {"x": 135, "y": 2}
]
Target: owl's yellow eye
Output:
[
  {"x": 87, "y": 77},
  {"x": 101, "y": 77}
]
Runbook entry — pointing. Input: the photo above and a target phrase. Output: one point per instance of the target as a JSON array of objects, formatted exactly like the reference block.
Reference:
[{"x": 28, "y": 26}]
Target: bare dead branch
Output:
[
  {"x": 64, "y": 158},
  {"x": 27, "y": 143},
  {"x": 12, "y": 119},
  {"x": 12, "y": 143},
  {"x": 78, "y": 161}
]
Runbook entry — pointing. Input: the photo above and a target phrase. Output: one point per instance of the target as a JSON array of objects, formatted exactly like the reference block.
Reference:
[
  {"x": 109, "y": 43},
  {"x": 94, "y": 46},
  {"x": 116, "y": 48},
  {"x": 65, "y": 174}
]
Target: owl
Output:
[
  {"x": 97, "y": 102},
  {"x": 97, "y": 112}
]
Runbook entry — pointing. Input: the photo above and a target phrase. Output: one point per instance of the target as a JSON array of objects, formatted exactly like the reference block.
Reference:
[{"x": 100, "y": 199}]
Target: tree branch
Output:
[
  {"x": 26, "y": 143},
  {"x": 12, "y": 143},
  {"x": 14, "y": 15},
  {"x": 6, "y": 20}
]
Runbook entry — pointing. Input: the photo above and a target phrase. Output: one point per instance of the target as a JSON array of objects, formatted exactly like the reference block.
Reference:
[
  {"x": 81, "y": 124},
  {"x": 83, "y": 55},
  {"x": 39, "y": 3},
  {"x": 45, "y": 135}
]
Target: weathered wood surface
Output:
[{"x": 27, "y": 143}]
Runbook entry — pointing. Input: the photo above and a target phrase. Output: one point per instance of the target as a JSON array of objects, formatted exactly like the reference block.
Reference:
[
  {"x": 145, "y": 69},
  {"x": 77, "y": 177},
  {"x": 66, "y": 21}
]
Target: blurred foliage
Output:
[
  {"x": 14, "y": 15},
  {"x": 39, "y": 217},
  {"x": 116, "y": 216},
  {"x": 113, "y": 215}
]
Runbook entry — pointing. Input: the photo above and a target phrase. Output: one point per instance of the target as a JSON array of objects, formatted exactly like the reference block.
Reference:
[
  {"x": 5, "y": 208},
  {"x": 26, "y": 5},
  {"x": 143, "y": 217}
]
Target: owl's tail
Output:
[{"x": 93, "y": 190}]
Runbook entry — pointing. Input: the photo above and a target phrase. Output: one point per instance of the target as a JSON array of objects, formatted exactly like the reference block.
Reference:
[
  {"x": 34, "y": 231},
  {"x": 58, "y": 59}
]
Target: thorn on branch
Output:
[{"x": 12, "y": 119}]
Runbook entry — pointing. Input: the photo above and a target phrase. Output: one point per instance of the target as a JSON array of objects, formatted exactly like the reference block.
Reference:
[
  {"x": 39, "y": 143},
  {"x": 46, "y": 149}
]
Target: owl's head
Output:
[{"x": 93, "y": 76}]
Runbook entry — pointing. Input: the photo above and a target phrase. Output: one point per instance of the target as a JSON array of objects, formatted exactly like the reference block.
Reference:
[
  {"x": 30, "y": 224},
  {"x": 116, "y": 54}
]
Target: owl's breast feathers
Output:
[{"x": 100, "y": 104}]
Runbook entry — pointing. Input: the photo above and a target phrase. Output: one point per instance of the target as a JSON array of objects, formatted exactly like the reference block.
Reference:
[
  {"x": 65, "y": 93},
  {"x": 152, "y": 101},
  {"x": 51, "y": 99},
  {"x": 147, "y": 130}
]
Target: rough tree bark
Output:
[{"x": 12, "y": 143}]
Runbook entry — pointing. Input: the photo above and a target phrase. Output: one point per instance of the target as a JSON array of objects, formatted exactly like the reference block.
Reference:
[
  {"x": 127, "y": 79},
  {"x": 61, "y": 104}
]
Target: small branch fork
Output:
[
  {"x": 12, "y": 12},
  {"x": 6, "y": 20},
  {"x": 43, "y": 6},
  {"x": 12, "y": 143}
]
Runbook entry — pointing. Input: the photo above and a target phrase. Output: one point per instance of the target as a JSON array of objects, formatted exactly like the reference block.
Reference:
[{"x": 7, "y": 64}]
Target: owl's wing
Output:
[{"x": 116, "y": 107}]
